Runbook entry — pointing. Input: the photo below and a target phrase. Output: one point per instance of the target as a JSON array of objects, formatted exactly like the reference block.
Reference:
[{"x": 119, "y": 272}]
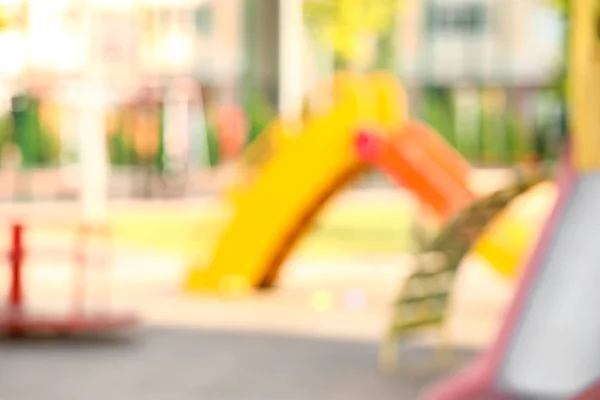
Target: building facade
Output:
[{"x": 500, "y": 42}]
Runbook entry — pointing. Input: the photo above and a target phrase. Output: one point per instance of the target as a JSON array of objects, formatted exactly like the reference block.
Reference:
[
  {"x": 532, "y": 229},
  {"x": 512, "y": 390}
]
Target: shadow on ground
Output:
[{"x": 178, "y": 364}]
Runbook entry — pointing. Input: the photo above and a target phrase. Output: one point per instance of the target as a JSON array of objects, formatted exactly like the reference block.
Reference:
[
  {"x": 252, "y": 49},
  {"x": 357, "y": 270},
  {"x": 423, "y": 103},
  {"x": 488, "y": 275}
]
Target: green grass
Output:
[
  {"x": 374, "y": 228},
  {"x": 351, "y": 229}
]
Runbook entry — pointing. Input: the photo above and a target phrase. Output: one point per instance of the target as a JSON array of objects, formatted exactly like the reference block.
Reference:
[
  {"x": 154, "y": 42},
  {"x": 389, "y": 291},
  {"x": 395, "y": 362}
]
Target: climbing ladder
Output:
[{"x": 424, "y": 300}]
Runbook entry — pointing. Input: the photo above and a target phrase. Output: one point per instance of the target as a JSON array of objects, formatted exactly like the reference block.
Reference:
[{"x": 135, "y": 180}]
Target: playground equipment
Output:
[
  {"x": 295, "y": 169},
  {"x": 425, "y": 297},
  {"x": 420, "y": 160},
  {"x": 283, "y": 197},
  {"x": 18, "y": 319},
  {"x": 519, "y": 224},
  {"x": 548, "y": 345}
]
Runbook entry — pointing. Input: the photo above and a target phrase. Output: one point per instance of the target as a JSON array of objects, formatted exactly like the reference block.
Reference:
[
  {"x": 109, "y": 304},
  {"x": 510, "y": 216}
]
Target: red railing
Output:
[{"x": 19, "y": 320}]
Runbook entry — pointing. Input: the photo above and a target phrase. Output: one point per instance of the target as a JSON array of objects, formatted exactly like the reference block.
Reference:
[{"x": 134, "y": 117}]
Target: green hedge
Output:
[
  {"x": 39, "y": 146},
  {"x": 260, "y": 114},
  {"x": 121, "y": 151},
  {"x": 213, "y": 146},
  {"x": 502, "y": 137}
]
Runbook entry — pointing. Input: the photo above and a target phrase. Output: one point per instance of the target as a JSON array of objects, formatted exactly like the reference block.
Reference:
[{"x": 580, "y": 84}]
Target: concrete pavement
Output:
[
  {"x": 315, "y": 337},
  {"x": 183, "y": 364}
]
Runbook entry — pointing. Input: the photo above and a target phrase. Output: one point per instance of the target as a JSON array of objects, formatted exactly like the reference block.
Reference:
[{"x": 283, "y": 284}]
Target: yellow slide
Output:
[
  {"x": 294, "y": 182},
  {"x": 510, "y": 236}
]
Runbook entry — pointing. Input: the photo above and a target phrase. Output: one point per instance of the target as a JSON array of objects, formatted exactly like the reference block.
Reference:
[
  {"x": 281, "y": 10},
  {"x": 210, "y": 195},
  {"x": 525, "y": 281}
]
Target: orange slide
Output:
[{"x": 420, "y": 160}]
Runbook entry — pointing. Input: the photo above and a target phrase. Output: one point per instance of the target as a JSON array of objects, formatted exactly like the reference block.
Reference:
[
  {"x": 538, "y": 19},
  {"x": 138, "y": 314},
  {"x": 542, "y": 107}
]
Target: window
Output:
[
  {"x": 204, "y": 19},
  {"x": 451, "y": 18}
]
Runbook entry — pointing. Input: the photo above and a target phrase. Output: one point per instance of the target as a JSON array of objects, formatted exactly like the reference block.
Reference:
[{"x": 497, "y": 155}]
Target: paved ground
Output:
[
  {"x": 178, "y": 364},
  {"x": 275, "y": 346}
]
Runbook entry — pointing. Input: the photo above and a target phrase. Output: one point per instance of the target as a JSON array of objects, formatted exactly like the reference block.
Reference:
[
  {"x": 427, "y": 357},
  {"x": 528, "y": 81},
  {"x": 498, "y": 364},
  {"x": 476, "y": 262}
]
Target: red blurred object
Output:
[
  {"x": 232, "y": 130},
  {"x": 17, "y": 320},
  {"x": 24, "y": 323},
  {"x": 368, "y": 146},
  {"x": 419, "y": 159}
]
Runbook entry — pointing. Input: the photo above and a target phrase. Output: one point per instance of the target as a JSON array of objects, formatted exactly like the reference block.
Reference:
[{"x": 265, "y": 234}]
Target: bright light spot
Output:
[
  {"x": 48, "y": 6},
  {"x": 176, "y": 49},
  {"x": 51, "y": 43},
  {"x": 322, "y": 300},
  {"x": 57, "y": 49},
  {"x": 11, "y": 3},
  {"x": 12, "y": 43}
]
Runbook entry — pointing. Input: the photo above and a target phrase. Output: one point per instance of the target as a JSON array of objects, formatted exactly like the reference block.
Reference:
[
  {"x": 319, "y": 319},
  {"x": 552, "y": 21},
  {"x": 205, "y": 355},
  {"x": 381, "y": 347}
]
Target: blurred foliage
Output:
[
  {"x": 161, "y": 161},
  {"x": 386, "y": 48},
  {"x": 6, "y": 134},
  {"x": 3, "y": 19},
  {"x": 48, "y": 147},
  {"x": 121, "y": 150},
  {"x": 503, "y": 137},
  {"x": 518, "y": 140},
  {"x": 563, "y": 5},
  {"x": 212, "y": 140},
  {"x": 127, "y": 144},
  {"x": 39, "y": 145},
  {"x": 259, "y": 113},
  {"x": 438, "y": 111},
  {"x": 344, "y": 25}
]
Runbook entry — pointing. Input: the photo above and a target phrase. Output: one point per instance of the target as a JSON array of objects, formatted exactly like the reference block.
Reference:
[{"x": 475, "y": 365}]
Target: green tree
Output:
[
  {"x": 563, "y": 5},
  {"x": 344, "y": 25}
]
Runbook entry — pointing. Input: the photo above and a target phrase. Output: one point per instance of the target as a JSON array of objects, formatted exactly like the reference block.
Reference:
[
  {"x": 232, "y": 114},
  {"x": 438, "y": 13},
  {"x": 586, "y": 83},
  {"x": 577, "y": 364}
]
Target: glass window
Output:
[
  {"x": 452, "y": 18},
  {"x": 204, "y": 19}
]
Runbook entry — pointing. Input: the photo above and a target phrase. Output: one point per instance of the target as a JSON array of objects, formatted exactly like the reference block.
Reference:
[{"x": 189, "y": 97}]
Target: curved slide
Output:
[
  {"x": 510, "y": 236},
  {"x": 367, "y": 125},
  {"x": 292, "y": 185},
  {"x": 420, "y": 160}
]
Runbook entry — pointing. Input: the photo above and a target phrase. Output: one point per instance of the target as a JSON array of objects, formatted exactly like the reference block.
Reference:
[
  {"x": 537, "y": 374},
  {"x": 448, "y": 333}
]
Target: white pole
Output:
[
  {"x": 92, "y": 138},
  {"x": 94, "y": 154},
  {"x": 291, "y": 71}
]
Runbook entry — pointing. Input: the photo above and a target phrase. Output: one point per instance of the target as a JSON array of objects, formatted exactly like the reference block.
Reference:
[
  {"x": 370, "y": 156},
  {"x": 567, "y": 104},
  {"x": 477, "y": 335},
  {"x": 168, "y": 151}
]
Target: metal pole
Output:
[{"x": 16, "y": 255}]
